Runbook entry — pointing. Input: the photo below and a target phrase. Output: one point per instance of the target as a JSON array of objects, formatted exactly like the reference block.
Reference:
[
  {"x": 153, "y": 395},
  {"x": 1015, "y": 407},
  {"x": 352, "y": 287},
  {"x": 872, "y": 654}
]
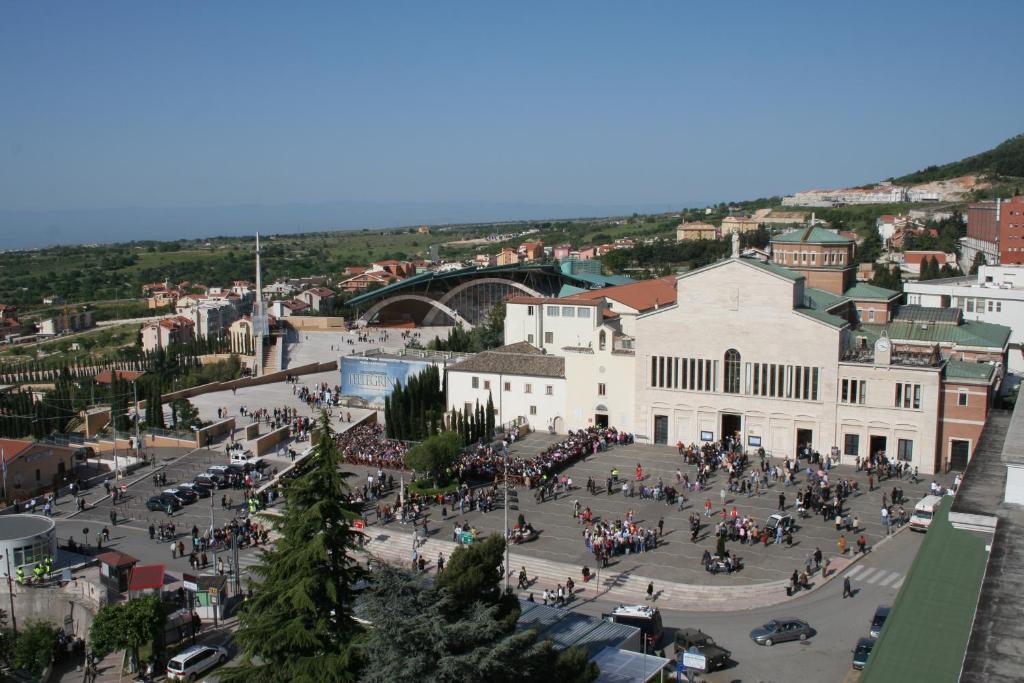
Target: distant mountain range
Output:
[
  {"x": 1006, "y": 159},
  {"x": 30, "y": 229}
]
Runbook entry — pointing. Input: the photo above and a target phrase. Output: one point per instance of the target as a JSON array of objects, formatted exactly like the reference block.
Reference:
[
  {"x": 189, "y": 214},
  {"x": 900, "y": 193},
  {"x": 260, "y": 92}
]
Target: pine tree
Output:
[
  {"x": 490, "y": 418},
  {"x": 298, "y": 626}
]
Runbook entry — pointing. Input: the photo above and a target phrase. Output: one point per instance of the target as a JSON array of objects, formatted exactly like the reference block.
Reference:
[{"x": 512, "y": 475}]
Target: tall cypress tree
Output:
[
  {"x": 298, "y": 626},
  {"x": 490, "y": 417}
]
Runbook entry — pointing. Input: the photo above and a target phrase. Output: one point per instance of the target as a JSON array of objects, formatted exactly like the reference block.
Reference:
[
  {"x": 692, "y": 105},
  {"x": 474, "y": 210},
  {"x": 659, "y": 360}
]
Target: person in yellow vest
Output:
[
  {"x": 37, "y": 571},
  {"x": 47, "y": 566},
  {"x": 20, "y": 576}
]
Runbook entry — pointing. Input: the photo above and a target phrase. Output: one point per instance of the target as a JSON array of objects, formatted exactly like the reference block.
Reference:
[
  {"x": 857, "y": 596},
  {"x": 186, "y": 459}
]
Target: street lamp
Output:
[{"x": 10, "y": 593}]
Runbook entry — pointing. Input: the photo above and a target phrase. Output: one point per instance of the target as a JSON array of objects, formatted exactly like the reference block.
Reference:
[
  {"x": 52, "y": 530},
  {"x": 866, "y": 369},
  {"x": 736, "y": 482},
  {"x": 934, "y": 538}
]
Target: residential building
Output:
[
  {"x": 69, "y": 321},
  {"x": 994, "y": 295},
  {"x": 507, "y": 257},
  {"x": 166, "y": 332},
  {"x": 562, "y": 251},
  {"x": 1011, "y": 231},
  {"x": 586, "y": 253},
  {"x": 395, "y": 268},
  {"x": 912, "y": 260},
  {"x": 53, "y": 300},
  {"x": 483, "y": 260},
  {"x": 280, "y": 289},
  {"x": 982, "y": 234},
  {"x": 8, "y": 312},
  {"x": 288, "y": 308},
  {"x": 777, "y": 217},
  {"x": 318, "y": 298},
  {"x": 738, "y": 225},
  {"x": 693, "y": 230},
  {"x": 531, "y": 251},
  {"x": 211, "y": 317},
  {"x": 159, "y": 298},
  {"x": 362, "y": 282},
  {"x": 30, "y": 467}
]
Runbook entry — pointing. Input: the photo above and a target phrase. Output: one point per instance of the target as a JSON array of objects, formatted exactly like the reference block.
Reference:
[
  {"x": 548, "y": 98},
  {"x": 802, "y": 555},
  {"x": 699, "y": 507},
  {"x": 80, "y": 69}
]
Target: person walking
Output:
[
  {"x": 782, "y": 501},
  {"x": 650, "y": 590},
  {"x": 847, "y": 590},
  {"x": 841, "y": 543}
]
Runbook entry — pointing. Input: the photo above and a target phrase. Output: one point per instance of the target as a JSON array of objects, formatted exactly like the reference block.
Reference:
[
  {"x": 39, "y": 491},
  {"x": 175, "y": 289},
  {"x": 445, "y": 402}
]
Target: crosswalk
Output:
[{"x": 876, "y": 576}]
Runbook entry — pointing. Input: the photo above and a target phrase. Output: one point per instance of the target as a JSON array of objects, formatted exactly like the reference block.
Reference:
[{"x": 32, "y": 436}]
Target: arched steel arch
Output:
[
  {"x": 380, "y": 305},
  {"x": 458, "y": 289}
]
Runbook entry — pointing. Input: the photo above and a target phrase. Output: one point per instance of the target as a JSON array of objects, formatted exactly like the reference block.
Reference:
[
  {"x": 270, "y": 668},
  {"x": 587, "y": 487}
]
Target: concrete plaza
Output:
[{"x": 675, "y": 559}]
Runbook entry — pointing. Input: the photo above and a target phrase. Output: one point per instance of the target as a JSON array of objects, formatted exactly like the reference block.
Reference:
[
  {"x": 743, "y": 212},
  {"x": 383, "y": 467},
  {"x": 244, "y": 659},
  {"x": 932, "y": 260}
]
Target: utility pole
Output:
[
  {"x": 213, "y": 540},
  {"x": 135, "y": 392},
  {"x": 10, "y": 593}
]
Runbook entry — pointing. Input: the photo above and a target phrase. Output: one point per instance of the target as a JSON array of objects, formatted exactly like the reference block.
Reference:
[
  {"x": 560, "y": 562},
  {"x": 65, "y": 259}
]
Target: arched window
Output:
[
  {"x": 601, "y": 341},
  {"x": 732, "y": 372}
]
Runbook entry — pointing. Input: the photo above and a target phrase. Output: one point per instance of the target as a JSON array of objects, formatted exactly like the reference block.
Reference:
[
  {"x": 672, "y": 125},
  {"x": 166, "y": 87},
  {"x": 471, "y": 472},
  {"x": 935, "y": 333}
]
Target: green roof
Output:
[
  {"x": 863, "y": 290},
  {"x": 967, "y": 333},
  {"x": 926, "y": 635},
  {"x": 956, "y": 369},
  {"x": 822, "y": 299},
  {"x": 776, "y": 269},
  {"x": 814, "y": 235},
  {"x": 827, "y": 318}
]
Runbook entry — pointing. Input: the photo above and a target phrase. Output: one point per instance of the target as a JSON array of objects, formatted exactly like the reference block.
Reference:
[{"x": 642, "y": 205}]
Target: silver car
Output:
[{"x": 781, "y": 630}]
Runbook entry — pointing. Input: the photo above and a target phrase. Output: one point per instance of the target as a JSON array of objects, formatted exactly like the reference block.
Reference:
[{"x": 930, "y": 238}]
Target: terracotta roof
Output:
[
  {"x": 503, "y": 362},
  {"x": 519, "y": 347},
  {"x": 117, "y": 559},
  {"x": 295, "y": 305},
  {"x": 642, "y": 296},
  {"x": 12, "y": 448},
  {"x": 104, "y": 376}
]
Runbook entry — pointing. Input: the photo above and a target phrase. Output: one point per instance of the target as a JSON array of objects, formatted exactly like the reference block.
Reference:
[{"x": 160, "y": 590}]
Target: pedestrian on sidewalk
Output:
[{"x": 847, "y": 590}]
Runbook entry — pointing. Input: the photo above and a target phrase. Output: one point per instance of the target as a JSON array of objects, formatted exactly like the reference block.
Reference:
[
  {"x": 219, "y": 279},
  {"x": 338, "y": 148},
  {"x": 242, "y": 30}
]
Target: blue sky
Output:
[{"x": 185, "y": 105}]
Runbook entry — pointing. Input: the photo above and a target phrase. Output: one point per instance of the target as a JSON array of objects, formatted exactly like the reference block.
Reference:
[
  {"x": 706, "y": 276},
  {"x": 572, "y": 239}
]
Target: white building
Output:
[
  {"x": 524, "y": 383},
  {"x": 748, "y": 349},
  {"x": 994, "y": 295}
]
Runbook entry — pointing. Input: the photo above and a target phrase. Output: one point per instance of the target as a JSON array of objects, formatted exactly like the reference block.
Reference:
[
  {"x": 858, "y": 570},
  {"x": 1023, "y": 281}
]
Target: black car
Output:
[
  {"x": 863, "y": 651},
  {"x": 213, "y": 481},
  {"x": 184, "y": 495},
  {"x": 198, "y": 489},
  {"x": 162, "y": 503},
  {"x": 878, "y": 621},
  {"x": 717, "y": 657}
]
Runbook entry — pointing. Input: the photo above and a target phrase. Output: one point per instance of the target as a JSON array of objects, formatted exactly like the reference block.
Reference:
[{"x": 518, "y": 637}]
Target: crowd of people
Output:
[
  {"x": 608, "y": 538},
  {"x": 366, "y": 445}
]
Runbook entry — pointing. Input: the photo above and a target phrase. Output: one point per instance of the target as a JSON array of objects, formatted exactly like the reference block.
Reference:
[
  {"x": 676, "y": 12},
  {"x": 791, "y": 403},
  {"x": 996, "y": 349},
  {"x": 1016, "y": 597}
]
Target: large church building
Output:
[{"x": 777, "y": 354}]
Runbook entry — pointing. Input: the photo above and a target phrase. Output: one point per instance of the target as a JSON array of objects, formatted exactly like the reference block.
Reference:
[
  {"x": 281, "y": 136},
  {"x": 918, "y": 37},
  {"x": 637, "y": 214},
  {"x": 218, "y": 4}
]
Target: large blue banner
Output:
[{"x": 366, "y": 381}]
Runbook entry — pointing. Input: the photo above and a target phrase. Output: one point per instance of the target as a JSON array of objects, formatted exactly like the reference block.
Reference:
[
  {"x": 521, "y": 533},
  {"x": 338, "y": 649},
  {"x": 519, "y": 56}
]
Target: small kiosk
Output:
[{"x": 115, "y": 570}]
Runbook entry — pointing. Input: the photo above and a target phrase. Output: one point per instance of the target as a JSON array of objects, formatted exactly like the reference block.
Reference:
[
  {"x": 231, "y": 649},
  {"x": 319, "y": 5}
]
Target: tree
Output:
[
  {"x": 185, "y": 413},
  {"x": 128, "y": 625},
  {"x": 979, "y": 261},
  {"x": 32, "y": 649},
  {"x": 615, "y": 261},
  {"x": 298, "y": 626},
  {"x": 461, "y": 628},
  {"x": 435, "y": 455}
]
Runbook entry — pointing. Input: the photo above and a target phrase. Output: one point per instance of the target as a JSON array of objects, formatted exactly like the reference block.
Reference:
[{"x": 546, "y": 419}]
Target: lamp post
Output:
[
  {"x": 10, "y": 593},
  {"x": 508, "y": 551}
]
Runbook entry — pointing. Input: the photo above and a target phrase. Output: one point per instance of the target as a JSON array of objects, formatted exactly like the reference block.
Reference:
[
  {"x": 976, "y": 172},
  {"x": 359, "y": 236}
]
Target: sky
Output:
[{"x": 123, "y": 120}]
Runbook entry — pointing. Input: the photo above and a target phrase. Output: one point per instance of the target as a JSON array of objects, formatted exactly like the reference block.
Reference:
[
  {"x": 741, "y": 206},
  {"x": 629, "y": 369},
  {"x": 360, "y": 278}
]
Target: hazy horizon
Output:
[{"x": 127, "y": 120}]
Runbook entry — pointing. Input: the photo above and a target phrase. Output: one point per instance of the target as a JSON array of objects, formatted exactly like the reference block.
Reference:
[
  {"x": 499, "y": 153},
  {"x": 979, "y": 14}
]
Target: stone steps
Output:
[{"x": 395, "y": 547}]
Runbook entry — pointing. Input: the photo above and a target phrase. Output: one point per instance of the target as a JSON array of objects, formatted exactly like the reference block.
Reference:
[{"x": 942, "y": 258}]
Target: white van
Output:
[
  {"x": 246, "y": 457},
  {"x": 924, "y": 511},
  {"x": 189, "y": 664}
]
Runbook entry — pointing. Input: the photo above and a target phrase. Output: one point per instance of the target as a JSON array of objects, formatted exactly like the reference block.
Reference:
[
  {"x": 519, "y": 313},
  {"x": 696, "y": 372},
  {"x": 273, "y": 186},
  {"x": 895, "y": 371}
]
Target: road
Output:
[{"x": 839, "y": 623}]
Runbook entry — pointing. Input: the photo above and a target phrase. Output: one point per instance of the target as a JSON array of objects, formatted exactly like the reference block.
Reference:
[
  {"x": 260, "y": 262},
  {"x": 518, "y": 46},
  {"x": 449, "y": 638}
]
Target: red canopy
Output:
[{"x": 145, "y": 576}]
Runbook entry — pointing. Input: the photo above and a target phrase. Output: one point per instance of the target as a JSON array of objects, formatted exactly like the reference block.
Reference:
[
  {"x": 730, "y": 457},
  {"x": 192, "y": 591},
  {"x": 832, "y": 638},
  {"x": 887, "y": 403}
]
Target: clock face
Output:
[{"x": 882, "y": 345}]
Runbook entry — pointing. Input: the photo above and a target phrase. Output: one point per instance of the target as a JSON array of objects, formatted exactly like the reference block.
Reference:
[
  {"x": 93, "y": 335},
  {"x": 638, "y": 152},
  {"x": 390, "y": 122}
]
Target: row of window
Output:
[
  {"x": 971, "y": 305},
  {"x": 564, "y": 311},
  {"x": 549, "y": 389},
  {"x": 829, "y": 257},
  {"x": 782, "y": 381},
  {"x": 854, "y": 391},
  {"x": 904, "y": 447},
  {"x": 690, "y": 374}
]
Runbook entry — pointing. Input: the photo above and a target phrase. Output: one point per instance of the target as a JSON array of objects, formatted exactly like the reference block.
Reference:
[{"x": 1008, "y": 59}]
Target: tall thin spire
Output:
[{"x": 260, "y": 323}]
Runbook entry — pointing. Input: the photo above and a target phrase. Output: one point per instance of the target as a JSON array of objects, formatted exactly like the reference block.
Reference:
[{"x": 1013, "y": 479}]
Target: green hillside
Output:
[{"x": 1007, "y": 159}]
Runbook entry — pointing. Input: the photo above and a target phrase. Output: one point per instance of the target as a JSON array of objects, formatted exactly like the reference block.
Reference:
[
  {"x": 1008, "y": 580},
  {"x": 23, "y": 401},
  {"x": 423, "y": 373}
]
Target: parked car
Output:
[
  {"x": 181, "y": 494},
  {"x": 199, "y": 490},
  {"x": 188, "y": 664},
  {"x": 862, "y": 652},
  {"x": 162, "y": 503},
  {"x": 210, "y": 480},
  {"x": 717, "y": 657},
  {"x": 878, "y": 621},
  {"x": 781, "y": 630},
  {"x": 782, "y": 519}
]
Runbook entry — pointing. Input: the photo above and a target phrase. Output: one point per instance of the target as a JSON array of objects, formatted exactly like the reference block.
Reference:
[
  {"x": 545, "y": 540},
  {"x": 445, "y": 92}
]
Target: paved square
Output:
[{"x": 675, "y": 558}]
